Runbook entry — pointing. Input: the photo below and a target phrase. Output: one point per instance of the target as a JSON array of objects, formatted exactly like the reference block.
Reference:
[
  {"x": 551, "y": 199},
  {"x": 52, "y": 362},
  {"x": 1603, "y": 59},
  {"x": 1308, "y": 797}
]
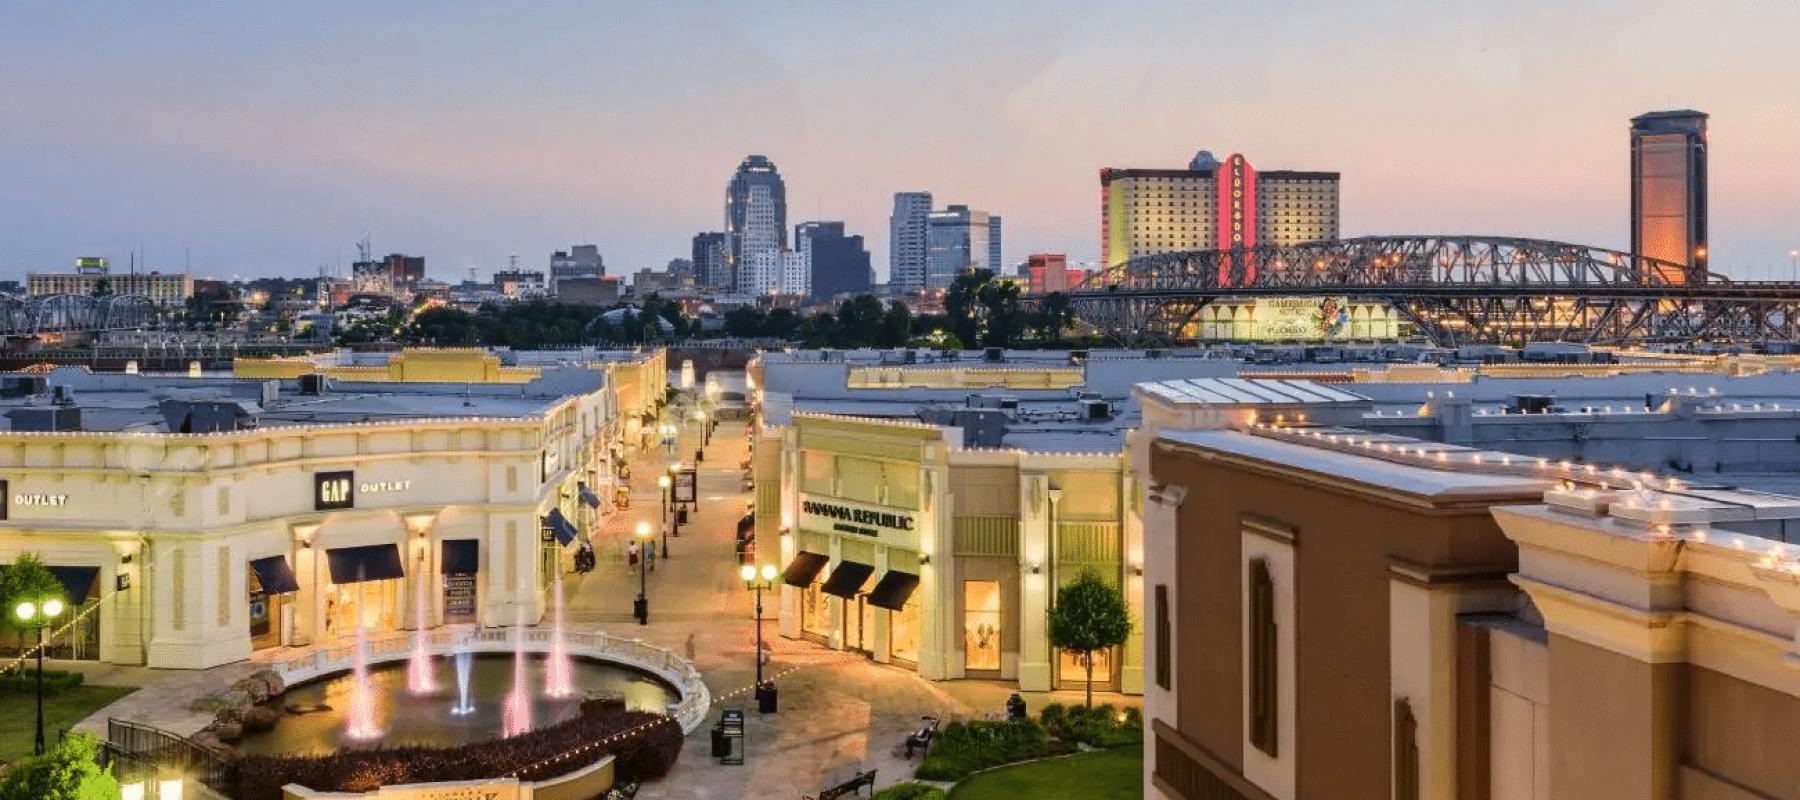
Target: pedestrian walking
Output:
[
  {"x": 650, "y": 556},
  {"x": 690, "y": 647},
  {"x": 631, "y": 555}
]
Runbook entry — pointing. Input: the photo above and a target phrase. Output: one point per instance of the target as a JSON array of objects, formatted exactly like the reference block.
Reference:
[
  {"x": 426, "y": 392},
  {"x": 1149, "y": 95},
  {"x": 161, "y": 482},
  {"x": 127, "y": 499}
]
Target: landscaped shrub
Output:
[
  {"x": 910, "y": 790},
  {"x": 55, "y": 680},
  {"x": 646, "y": 754},
  {"x": 963, "y": 748},
  {"x": 1100, "y": 726}
]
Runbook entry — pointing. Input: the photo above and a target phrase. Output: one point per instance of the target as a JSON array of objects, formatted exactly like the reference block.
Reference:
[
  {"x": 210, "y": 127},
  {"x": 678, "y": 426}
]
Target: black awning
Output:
[
  {"x": 275, "y": 574},
  {"x": 560, "y": 525},
  {"x": 77, "y": 582},
  {"x": 460, "y": 556},
  {"x": 587, "y": 495},
  {"x": 375, "y": 562},
  {"x": 804, "y": 569},
  {"x": 848, "y": 579},
  {"x": 892, "y": 591}
]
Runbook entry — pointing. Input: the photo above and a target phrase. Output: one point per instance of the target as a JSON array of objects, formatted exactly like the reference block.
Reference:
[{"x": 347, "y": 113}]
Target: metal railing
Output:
[{"x": 141, "y": 752}]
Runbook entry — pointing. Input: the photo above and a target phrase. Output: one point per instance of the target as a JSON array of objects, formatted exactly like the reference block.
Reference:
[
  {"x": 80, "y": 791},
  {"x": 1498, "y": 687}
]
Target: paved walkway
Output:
[{"x": 839, "y": 712}]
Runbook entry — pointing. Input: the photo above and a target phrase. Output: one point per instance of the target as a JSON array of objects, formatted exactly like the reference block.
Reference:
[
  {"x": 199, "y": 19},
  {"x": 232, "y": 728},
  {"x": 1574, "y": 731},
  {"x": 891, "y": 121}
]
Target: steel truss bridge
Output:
[
  {"x": 1456, "y": 289},
  {"x": 69, "y": 313}
]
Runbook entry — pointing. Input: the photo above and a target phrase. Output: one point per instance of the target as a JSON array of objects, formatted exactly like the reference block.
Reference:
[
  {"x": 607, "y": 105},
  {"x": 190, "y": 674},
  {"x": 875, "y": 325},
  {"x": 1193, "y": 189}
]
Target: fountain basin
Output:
[
  {"x": 430, "y": 719},
  {"x": 688, "y": 702}
]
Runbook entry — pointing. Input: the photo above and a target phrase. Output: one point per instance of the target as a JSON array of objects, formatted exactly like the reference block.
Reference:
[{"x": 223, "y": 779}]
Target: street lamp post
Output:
[
  {"x": 32, "y": 614},
  {"x": 641, "y": 607},
  {"x": 756, "y": 582},
  {"x": 663, "y": 483}
]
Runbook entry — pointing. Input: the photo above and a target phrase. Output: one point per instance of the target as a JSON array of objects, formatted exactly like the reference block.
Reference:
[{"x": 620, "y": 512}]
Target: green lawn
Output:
[
  {"x": 1116, "y": 774},
  {"x": 18, "y": 714}
]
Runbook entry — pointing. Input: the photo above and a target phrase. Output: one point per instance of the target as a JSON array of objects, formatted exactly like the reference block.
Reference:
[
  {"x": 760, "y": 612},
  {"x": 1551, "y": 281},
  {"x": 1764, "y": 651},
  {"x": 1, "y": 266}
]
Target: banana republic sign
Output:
[{"x": 860, "y": 521}]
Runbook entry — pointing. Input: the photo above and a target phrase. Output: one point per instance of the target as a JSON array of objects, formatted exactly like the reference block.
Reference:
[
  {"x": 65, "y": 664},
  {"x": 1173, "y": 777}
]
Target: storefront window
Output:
[
  {"x": 981, "y": 625},
  {"x": 903, "y": 632},
  {"x": 370, "y": 602},
  {"x": 815, "y": 615},
  {"x": 1072, "y": 667}
]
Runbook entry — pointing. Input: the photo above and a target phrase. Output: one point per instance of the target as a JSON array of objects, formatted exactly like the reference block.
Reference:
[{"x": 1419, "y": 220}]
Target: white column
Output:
[{"x": 1036, "y": 529}]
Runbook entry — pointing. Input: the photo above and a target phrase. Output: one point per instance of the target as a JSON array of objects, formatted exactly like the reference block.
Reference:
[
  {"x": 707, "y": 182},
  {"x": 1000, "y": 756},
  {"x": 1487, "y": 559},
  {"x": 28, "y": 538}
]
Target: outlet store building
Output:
[{"x": 194, "y": 521}]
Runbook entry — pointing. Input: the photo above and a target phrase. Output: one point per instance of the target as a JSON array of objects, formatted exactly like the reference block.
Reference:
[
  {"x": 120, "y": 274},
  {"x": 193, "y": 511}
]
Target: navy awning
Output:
[
  {"x": 893, "y": 590},
  {"x": 275, "y": 574},
  {"x": 375, "y": 562},
  {"x": 847, "y": 579},
  {"x": 560, "y": 525},
  {"x": 76, "y": 581},
  {"x": 587, "y": 495},
  {"x": 804, "y": 569},
  {"x": 461, "y": 556}
]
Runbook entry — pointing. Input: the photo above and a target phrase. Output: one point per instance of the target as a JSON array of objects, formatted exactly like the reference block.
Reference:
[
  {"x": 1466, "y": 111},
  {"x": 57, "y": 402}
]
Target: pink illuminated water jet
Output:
[
  {"x": 361, "y": 719},
  {"x": 559, "y": 670},
  {"x": 419, "y": 677},
  {"x": 515, "y": 716}
]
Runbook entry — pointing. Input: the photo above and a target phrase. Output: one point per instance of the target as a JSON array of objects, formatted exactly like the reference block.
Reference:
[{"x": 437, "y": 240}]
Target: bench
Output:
[
  {"x": 922, "y": 739},
  {"x": 850, "y": 787}
]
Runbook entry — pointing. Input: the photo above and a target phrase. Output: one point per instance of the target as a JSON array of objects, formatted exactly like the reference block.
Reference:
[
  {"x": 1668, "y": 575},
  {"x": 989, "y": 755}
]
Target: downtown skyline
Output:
[{"x": 264, "y": 142}]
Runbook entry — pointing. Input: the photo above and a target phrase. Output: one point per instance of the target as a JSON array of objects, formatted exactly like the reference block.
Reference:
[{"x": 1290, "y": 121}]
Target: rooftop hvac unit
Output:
[
  {"x": 1154, "y": 352},
  {"x": 1098, "y": 409},
  {"x": 315, "y": 384},
  {"x": 62, "y": 394},
  {"x": 1009, "y": 403},
  {"x": 21, "y": 385},
  {"x": 994, "y": 354}
]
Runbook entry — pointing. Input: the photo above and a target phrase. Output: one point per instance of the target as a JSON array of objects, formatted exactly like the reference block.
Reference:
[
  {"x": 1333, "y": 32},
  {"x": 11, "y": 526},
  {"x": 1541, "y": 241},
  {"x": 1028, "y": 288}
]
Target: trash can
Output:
[
  {"x": 765, "y": 698},
  {"x": 640, "y": 608},
  {"x": 681, "y": 516},
  {"x": 720, "y": 747}
]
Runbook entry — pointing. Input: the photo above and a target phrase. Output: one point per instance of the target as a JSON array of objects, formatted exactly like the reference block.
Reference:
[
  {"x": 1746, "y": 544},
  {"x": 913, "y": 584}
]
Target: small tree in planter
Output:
[{"x": 1089, "y": 615}]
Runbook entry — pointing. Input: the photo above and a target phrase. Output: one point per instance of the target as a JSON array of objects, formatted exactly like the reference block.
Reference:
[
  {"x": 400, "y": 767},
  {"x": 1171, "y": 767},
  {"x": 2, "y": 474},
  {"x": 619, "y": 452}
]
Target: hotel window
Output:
[
  {"x": 1406, "y": 751},
  {"x": 1163, "y": 637},
  {"x": 1263, "y": 662}
]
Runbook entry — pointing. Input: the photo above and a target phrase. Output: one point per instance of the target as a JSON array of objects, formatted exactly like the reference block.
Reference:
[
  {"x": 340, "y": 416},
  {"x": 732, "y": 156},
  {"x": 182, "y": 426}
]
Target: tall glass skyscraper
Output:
[
  {"x": 755, "y": 217},
  {"x": 1668, "y": 194},
  {"x": 906, "y": 241}
]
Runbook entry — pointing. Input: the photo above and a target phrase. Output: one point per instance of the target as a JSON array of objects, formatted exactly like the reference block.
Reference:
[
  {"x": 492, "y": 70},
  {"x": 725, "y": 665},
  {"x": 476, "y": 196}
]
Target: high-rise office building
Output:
[
  {"x": 711, "y": 268},
  {"x": 839, "y": 263},
  {"x": 755, "y": 217},
  {"x": 994, "y": 261},
  {"x": 776, "y": 272},
  {"x": 581, "y": 261},
  {"x": 1668, "y": 192},
  {"x": 906, "y": 241},
  {"x": 1212, "y": 205},
  {"x": 956, "y": 239}
]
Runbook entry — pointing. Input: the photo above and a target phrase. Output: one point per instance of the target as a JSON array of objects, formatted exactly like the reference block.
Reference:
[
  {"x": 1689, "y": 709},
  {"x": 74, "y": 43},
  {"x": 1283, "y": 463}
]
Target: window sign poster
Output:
[{"x": 459, "y": 594}]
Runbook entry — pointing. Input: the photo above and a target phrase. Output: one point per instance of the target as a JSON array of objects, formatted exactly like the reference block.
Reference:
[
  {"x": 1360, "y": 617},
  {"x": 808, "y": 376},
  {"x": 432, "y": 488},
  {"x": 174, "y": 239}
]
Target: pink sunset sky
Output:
[{"x": 250, "y": 140}]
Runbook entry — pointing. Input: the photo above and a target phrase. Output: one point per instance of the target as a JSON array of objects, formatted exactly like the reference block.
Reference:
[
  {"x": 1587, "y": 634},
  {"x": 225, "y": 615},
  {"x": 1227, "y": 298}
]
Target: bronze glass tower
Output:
[{"x": 1668, "y": 194}]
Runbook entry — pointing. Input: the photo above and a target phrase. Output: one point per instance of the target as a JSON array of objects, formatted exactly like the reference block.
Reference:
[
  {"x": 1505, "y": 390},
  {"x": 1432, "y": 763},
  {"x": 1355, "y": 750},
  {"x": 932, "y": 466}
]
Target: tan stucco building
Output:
[{"x": 1341, "y": 614}]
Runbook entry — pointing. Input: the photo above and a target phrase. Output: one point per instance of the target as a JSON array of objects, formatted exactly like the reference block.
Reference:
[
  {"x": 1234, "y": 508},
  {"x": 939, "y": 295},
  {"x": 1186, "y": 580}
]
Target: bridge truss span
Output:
[
  {"x": 1455, "y": 289},
  {"x": 67, "y": 313}
]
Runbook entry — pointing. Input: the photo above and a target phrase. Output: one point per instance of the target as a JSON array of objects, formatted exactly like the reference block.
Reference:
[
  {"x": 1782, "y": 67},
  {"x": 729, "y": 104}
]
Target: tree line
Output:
[{"x": 979, "y": 311}]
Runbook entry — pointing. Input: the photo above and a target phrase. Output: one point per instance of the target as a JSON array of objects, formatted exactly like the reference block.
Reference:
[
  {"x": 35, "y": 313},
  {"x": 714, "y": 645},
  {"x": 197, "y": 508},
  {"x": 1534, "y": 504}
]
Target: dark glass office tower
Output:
[{"x": 1668, "y": 194}]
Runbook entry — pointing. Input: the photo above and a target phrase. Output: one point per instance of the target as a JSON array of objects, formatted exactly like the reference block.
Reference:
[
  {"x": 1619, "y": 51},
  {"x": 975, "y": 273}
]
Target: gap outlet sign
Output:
[{"x": 334, "y": 490}]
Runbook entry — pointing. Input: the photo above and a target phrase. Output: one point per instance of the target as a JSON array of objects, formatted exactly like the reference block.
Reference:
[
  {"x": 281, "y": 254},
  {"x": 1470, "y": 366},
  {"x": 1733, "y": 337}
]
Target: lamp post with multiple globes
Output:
[
  {"x": 757, "y": 581},
  {"x": 38, "y": 615}
]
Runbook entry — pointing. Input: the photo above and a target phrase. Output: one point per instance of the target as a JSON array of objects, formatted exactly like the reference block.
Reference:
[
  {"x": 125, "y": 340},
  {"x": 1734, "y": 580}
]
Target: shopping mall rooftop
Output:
[{"x": 75, "y": 399}]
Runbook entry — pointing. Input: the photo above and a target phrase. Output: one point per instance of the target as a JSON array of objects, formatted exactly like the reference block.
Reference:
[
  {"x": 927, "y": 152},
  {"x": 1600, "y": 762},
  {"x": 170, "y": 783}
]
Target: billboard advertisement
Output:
[{"x": 1307, "y": 318}]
